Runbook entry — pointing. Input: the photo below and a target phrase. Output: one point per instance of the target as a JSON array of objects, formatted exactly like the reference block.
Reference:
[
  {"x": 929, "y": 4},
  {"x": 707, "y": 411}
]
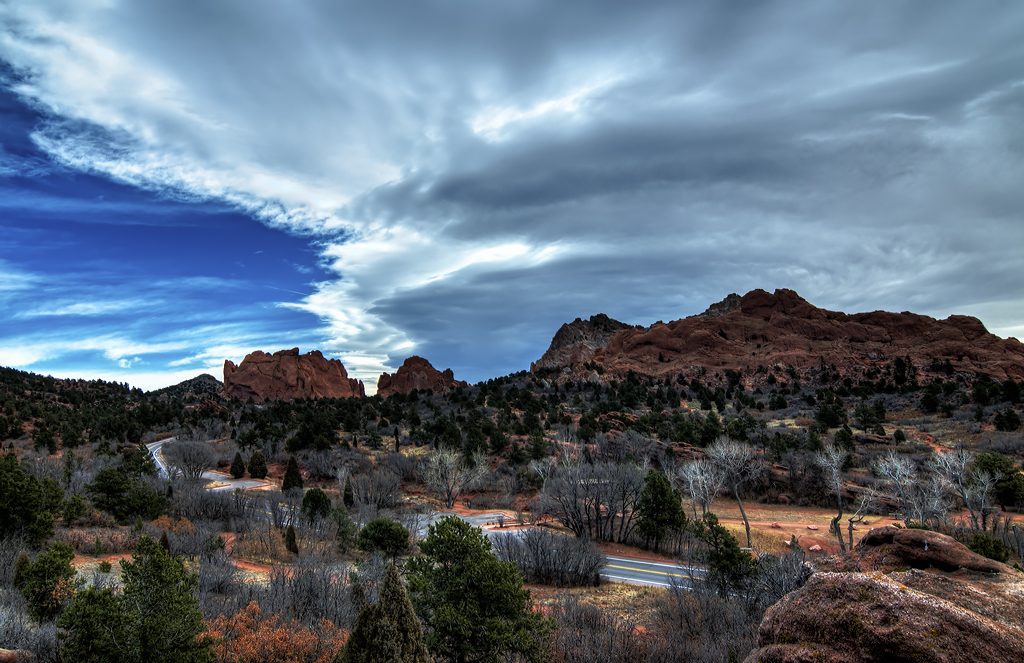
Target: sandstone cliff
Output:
[
  {"x": 781, "y": 328},
  {"x": 287, "y": 375},
  {"x": 417, "y": 373}
]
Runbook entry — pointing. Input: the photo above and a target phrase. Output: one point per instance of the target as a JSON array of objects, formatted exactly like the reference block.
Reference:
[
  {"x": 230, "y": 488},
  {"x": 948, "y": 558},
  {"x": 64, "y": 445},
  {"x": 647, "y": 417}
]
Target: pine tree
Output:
[
  {"x": 475, "y": 605},
  {"x": 347, "y": 496},
  {"x": 47, "y": 582},
  {"x": 238, "y": 466},
  {"x": 659, "y": 509},
  {"x": 290, "y": 541},
  {"x": 96, "y": 628},
  {"x": 292, "y": 477},
  {"x": 257, "y": 465},
  {"x": 388, "y": 631}
]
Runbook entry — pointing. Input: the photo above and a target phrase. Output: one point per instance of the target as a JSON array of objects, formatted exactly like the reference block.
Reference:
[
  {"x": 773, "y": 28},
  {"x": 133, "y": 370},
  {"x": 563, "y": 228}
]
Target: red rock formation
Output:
[
  {"x": 576, "y": 342},
  {"x": 890, "y": 548},
  {"x": 854, "y": 617},
  {"x": 417, "y": 373},
  {"x": 781, "y": 328},
  {"x": 287, "y": 375}
]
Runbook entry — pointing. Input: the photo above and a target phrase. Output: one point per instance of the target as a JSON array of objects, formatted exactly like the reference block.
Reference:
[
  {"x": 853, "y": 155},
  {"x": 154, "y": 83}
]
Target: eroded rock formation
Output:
[
  {"x": 910, "y": 616},
  {"x": 762, "y": 329},
  {"x": 576, "y": 342},
  {"x": 288, "y": 375},
  {"x": 417, "y": 373}
]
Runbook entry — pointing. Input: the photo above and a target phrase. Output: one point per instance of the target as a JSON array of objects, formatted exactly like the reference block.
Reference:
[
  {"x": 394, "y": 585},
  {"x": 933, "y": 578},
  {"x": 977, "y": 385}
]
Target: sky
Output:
[{"x": 184, "y": 182}]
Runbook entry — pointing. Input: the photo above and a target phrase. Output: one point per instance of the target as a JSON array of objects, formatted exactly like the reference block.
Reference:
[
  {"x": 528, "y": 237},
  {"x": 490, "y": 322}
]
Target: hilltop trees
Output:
[{"x": 474, "y": 605}]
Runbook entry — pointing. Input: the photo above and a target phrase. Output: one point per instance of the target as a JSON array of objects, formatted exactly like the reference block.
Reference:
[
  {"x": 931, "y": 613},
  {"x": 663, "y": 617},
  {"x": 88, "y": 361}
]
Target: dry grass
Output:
[{"x": 633, "y": 604}]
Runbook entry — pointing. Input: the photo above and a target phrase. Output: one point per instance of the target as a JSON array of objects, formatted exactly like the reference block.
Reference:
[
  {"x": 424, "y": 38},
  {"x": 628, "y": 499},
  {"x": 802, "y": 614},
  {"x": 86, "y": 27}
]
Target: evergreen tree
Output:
[
  {"x": 292, "y": 476},
  {"x": 155, "y": 619},
  {"x": 659, "y": 509},
  {"x": 238, "y": 466},
  {"x": 47, "y": 582},
  {"x": 290, "y": 540},
  {"x": 388, "y": 631},
  {"x": 347, "y": 530},
  {"x": 385, "y": 535},
  {"x": 257, "y": 465},
  {"x": 474, "y": 605},
  {"x": 347, "y": 495},
  {"x": 27, "y": 504},
  {"x": 159, "y": 593},
  {"x": 729, "y": 566},
  {"x": 96, "y": 628},
  {"x": 316, "y": 504}
]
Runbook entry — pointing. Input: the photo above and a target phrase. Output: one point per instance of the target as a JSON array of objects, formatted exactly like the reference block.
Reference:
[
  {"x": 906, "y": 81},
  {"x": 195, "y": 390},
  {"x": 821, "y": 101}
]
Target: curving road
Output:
[{"x": 628, "y": 570}]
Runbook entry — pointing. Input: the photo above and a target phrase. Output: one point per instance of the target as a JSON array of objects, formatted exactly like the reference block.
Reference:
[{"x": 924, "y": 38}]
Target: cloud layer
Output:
[{"x": 474, "y": 174}]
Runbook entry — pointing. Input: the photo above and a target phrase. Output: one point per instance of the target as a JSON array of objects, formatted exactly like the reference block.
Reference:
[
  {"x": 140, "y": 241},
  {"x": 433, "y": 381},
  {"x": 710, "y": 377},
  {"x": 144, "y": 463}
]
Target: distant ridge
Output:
[{"x": 761, "y": 329}]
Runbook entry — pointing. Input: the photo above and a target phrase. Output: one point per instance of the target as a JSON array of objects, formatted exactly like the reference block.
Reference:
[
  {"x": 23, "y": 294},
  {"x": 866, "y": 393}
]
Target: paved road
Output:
[
  {"x": 642, "y": 572},
  {"x": 221, "y": 480}
]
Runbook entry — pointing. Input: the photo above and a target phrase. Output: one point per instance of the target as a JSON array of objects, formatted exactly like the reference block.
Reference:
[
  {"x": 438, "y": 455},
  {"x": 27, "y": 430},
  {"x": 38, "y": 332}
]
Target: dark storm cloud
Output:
[{"x": 476, "y": 173}]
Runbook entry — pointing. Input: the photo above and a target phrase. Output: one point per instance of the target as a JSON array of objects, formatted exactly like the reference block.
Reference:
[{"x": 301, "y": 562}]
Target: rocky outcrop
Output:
[
  {"x": 890, "y": 548},
  {"x": 417, "y": 373},
  {"x": 287, "y": 375},
  {"x": 576, "y": 342},
  {"x": 762, "y": 329},
  {"x": 914, "y": 616}
]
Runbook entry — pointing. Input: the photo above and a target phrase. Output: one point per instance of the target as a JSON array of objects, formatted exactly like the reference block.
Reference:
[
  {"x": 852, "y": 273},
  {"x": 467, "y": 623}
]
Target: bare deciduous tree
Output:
[
  {"x": 596, "y": 500},
  {"x": 378, "y": 489},
  {"x": 831, "y": 460},
  {"x": 866, "y": 503},
  {"x": 900, "y": 475},
  {"x": 190, "y": 458},
  {"x": 702, "y": 482},
  {"x": 974, "y": 488},
  {"x": 448, "y": 476},
  {"x": 738, "y": 463}
]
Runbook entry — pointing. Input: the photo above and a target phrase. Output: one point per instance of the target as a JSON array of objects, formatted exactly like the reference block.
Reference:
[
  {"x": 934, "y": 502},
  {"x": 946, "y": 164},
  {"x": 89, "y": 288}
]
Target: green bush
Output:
[{"x": 985, "y": 545}]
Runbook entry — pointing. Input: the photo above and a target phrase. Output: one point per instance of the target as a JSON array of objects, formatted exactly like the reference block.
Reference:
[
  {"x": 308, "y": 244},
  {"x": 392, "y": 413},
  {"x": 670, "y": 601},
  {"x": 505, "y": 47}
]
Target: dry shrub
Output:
[
  {"x": 249, "y": 636},
  {"x": 180, "y": 526},
  {"x": 262, "y": 545},
  {"x": 98, "y": 540}
]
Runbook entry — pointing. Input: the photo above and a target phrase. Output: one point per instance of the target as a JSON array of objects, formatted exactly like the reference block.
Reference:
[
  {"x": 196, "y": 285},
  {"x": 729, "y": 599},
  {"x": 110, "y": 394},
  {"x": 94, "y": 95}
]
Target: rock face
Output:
[
  {"x": 287, "y": 375},
  {"x": 915, "y": 616},
  {"x": 782, "y": 329},
  {"x": 576, "y": 342},
  {"x": 417, "y": 373},
  {"x": 888, "y": 548}
]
